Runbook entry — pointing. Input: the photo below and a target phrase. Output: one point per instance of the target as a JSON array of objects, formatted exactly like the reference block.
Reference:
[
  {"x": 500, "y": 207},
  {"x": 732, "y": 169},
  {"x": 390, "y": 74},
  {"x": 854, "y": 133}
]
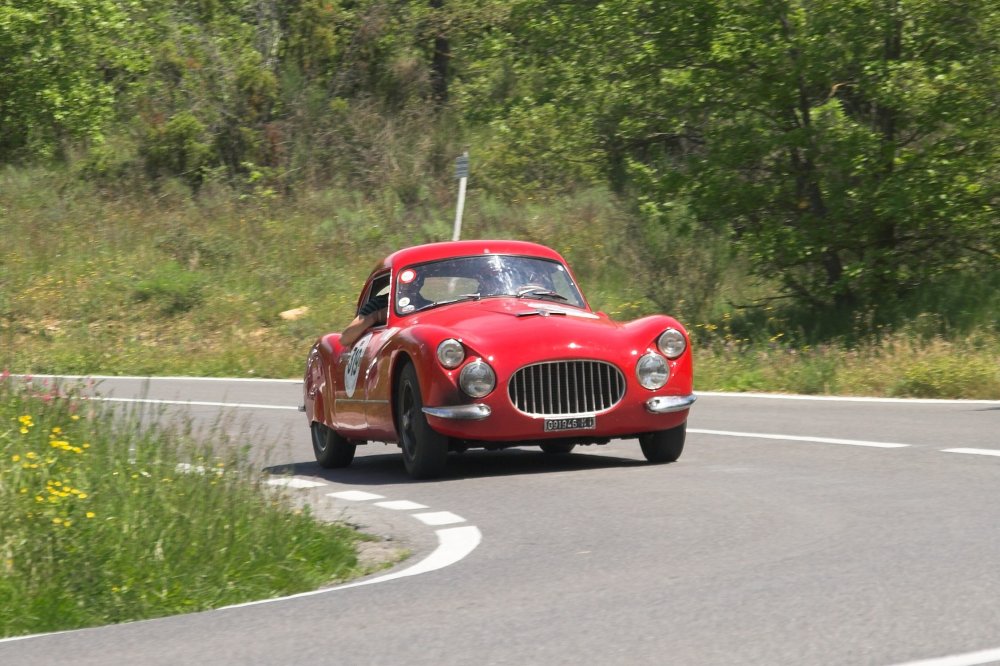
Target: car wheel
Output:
[
  {"x": 557, "y": 448},
  {"x": 331, "y": 449},
  {"x": 663, "y": 446},
  {"x": 425, "y": 450}
]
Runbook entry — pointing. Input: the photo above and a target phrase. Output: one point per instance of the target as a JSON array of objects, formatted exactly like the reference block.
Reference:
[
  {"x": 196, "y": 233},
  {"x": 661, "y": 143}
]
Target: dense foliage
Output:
[{"x": 846, "y": 149}]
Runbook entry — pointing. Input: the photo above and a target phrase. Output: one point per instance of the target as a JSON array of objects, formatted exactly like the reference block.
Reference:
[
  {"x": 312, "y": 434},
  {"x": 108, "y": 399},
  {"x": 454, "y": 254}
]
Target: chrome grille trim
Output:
[{"x": 566, "y": 388}]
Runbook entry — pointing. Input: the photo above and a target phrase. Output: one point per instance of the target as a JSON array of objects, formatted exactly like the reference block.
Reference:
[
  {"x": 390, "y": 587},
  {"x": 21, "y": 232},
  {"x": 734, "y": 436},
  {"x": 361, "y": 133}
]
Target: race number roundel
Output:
[{"x": 354, "y": 365}]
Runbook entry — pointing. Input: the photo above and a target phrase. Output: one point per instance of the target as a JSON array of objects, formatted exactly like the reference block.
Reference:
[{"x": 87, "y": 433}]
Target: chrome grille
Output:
[{"x": 566, "y": 387}]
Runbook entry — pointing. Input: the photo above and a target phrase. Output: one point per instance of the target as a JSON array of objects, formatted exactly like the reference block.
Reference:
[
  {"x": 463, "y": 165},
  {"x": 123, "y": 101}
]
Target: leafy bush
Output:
[
  {"x": 179, "y": 147},
  {"x": 171, "y": 288}
]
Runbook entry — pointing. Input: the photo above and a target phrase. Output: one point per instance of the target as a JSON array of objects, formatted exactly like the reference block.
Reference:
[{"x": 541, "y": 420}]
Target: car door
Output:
[
  {"x": 351, "y": 370},
  {"x": 377, "y": 385},
  {"x": 373, "y": 375}
]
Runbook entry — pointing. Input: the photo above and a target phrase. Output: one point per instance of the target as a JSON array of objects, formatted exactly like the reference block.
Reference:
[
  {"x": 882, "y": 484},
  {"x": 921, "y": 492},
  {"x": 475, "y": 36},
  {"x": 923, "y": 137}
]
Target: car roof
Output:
[{"x": 436, "y": 251}]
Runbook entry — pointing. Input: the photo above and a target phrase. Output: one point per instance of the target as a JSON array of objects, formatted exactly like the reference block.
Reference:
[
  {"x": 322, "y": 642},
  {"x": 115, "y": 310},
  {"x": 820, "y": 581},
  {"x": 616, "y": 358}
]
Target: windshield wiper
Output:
[
  {"x": 458, "y": 299},
  {"x": 542, "y": 293}
]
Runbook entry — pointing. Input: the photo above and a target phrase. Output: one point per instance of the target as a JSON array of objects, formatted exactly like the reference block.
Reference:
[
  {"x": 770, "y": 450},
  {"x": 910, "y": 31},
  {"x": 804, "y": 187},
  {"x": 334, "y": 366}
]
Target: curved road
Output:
[{"x": 791, "y": 531}]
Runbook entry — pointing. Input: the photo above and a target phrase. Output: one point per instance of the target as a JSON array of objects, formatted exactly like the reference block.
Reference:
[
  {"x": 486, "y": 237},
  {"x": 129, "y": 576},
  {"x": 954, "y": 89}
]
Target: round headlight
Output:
[
  {"x": 451, "y": 353},
  {"x": 672, "y": 343},
  {"x": 477, "y": 379},
  {"x": 652, "y": 371}
]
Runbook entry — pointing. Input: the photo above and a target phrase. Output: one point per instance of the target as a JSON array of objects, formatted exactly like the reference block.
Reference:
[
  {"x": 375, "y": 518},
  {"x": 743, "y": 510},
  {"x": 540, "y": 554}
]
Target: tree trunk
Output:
[{"x": 440, "y": 59}]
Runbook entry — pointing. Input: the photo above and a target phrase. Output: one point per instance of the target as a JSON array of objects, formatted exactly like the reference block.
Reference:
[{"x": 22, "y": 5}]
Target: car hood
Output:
[{"x": 525, "y": 327}]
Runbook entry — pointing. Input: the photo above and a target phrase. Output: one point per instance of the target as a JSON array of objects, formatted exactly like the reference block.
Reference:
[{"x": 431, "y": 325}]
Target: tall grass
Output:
[
  {"x": 99, "y": 522},
  {"x": 897, "y": 366}
]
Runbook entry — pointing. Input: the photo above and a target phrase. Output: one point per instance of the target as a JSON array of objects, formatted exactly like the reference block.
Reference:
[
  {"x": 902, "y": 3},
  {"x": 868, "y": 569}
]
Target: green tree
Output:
[
  {"x": 64, "y": 61},
  {"x": 848, "y": 146}
]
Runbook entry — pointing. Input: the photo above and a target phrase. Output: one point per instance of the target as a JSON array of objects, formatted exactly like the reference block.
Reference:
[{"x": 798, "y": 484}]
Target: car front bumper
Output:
[
  {"x": 501, "y": 422},
  {"x": 668, "y": 404},
  {"x": 476, "y": 412}
]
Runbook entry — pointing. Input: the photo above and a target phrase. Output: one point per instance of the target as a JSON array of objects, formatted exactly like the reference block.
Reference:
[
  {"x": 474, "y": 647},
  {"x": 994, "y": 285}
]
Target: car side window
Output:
[{"x": 379, "y": 288}]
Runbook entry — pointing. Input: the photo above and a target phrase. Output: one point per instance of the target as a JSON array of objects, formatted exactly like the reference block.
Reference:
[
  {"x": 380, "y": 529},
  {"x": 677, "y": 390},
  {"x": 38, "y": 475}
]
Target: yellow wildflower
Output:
[{"x": 90, "y": 514}]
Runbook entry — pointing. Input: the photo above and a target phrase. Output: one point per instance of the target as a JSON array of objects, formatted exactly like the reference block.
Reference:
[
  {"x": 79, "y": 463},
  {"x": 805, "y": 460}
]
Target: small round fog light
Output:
[
  {"x": 672, "y": 343},
  {"x": 450, "y": 353},
  {"x": 477, "y": 379}
]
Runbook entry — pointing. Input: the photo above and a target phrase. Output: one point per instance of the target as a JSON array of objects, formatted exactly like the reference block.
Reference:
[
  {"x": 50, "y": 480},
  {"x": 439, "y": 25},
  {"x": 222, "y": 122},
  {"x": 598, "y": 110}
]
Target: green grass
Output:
[
  {"x": 899, "y": 366},
  {"x": 99, "y": 523},
  {"x": 169, "y": 283}
]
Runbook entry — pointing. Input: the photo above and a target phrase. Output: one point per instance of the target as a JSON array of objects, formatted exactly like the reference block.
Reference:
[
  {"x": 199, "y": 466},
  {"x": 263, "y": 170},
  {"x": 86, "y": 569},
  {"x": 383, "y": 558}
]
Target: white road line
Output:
[
  {"x": 294, "y": 482},
  {"x": 355, "y": 496},
  {"x": 439, "y": 518},
  {"x": 719, "y": 394},
  {"x": 11, "y": 639},
  {"x": 976, "y": 452},
  {"x": 195, "y": 403},
  {"x": 401, "y": 505},
  {"x": 454, "y": 543},
  {"x": 798, "y": 438},
  {"x": 967, "y": 659},
  {"x": 156, "y": 378},
  {"x": 846, "y": 398}
]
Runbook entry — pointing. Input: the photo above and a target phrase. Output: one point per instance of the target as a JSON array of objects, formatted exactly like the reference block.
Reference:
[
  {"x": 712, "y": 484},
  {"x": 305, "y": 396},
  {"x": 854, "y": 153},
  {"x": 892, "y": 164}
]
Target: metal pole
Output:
[{"x": 462, "y": 173}]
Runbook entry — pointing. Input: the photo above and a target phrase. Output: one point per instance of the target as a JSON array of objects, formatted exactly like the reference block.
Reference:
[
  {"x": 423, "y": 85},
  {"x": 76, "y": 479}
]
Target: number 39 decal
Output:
[{"x": 354, "y": 365}]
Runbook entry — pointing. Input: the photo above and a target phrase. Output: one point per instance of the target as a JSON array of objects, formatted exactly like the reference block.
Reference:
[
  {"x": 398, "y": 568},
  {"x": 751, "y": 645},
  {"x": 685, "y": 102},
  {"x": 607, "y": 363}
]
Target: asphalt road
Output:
[{"x": 791, "y": 531}]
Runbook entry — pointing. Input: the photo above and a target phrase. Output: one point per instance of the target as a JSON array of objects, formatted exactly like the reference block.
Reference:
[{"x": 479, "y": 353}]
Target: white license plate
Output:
[{"x": 576, "y": 423}]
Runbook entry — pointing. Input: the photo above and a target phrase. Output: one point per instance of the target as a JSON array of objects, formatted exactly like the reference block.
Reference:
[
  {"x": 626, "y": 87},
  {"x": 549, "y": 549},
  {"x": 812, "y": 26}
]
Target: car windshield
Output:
[{"x": 423, "y": 286}]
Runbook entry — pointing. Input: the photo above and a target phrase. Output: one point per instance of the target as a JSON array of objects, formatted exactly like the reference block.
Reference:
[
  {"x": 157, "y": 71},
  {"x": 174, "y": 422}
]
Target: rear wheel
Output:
[
  {"x": 331, "y": 449},
  {"x": 425, "y": 450},
  {"x": 557, "y": 448},
  {"x": 663, "y": 446}
]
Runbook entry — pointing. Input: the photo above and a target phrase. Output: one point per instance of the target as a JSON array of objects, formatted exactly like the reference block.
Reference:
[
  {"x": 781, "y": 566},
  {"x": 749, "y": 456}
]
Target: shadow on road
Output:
[{"x": 387, "y": 468}]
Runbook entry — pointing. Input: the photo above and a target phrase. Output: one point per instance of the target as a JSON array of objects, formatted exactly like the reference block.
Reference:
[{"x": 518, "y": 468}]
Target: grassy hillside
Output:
[{"x": 170, "y": 283}]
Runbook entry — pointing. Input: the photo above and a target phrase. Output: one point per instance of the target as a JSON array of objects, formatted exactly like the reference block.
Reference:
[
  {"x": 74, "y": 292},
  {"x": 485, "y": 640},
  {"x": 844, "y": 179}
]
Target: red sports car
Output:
[{"x": 491, "y": 344}]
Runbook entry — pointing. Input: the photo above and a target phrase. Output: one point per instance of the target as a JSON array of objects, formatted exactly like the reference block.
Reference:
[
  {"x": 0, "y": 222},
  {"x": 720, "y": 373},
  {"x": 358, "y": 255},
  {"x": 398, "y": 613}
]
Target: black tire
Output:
[
  {"x": 557, "y": 448},
  {"x": 663, "y": 446},
  {"x": 425, "y": 450},
  {"x": 331, "y": 450}
]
